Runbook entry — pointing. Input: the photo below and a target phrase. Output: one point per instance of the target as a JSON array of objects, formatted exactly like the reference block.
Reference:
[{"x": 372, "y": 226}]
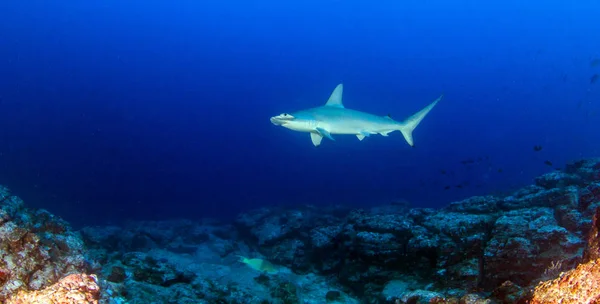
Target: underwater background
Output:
[{"x": 115, "y": 110}]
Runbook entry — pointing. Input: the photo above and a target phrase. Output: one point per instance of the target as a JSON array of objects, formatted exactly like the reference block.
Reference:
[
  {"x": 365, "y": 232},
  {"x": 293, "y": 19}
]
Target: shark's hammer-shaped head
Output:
[
  {"x": 282, "y": 119},
  {"x": 293, "y": 122}
]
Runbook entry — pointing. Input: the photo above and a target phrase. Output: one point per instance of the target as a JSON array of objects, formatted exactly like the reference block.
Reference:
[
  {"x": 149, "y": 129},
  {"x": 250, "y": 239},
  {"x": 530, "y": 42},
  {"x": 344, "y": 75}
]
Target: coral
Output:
[
  {"x": 576, "y": 286},
  {"x": 36, "y": 248},
  {"x": 579, "y": 285},
  {"x": 74, "y": 288}
]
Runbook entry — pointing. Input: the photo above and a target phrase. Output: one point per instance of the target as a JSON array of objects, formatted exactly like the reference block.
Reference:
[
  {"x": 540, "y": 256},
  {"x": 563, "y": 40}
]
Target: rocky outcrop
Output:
[
  {"x": 544, "y": 236},
  {"x": 478, "y": 244},
  {"x": 36, "y": 248},
  {"x": 74, "y": 288},
  {"x": 579, "y": 285}
]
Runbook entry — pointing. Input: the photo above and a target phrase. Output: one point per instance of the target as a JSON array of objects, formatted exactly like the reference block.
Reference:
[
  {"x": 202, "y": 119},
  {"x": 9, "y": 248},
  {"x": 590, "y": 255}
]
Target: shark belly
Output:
[
  {"x": 348, "y": 127},
  {"x": 344, "y": 121}
]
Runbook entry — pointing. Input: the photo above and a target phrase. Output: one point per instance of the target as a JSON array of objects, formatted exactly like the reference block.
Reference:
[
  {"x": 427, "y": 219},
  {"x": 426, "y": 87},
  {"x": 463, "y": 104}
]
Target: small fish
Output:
[
  {"x": 447, "y": 187},
  {"x": 594, "y": 78},
  {"x": 459, "y": 186},
  {"x": 548, "y": 163},
  {"x": 467, "y": 161},
  {"x": 537, "y": 148},
  {"x": 259, "y": 264},
  {"x": 595, "y": 62},
  {"x": 499, "y": 170},
  {"x": 443, "y": 171}
]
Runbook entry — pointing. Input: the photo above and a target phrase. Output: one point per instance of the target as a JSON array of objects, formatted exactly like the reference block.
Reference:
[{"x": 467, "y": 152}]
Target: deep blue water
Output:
[{"x": 117, "y": 110}]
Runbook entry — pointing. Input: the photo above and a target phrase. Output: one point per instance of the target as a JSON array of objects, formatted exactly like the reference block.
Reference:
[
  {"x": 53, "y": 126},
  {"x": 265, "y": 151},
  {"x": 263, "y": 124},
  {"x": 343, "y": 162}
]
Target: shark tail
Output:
[{"x": 410, "y": 124}]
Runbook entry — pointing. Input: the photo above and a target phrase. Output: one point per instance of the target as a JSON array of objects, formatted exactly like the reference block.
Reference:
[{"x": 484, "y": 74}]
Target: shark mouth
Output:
[{"x": 281, "y": 119}]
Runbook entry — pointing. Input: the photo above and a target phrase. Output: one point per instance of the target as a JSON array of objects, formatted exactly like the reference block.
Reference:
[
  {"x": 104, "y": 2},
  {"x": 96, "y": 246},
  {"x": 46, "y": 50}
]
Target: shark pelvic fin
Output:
[
  {"x": 409, "y": 125},
  {"x": 316, "y": 138},
  {"x": 324, "y": 133},
  {"x": 335, "y": 100}
]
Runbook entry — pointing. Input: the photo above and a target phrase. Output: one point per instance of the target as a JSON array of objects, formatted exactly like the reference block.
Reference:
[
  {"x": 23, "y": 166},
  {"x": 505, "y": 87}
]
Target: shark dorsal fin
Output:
[{"x": 335, "y": 100}]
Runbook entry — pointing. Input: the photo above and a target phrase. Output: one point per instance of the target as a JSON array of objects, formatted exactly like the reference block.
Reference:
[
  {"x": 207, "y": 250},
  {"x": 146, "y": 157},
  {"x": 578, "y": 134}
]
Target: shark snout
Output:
[
  {"x": 281, "y": 119},
  {"x": 276, "y": 121}
]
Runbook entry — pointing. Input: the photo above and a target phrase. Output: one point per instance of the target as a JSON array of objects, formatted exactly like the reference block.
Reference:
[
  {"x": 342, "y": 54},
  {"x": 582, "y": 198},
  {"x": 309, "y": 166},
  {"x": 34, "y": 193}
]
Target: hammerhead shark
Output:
[{"x": 334, "y": 118}]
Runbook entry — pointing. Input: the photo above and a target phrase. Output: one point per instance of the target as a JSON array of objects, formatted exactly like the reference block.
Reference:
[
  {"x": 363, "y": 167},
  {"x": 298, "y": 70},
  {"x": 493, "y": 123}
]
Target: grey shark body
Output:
[{"x": 333, "y": 118}]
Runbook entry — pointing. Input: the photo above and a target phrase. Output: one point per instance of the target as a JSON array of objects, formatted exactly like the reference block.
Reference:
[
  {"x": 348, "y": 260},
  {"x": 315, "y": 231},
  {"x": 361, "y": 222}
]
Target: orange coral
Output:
[
  {"x": 74, "y": 288},
  {"x": 579, "y": 285}
]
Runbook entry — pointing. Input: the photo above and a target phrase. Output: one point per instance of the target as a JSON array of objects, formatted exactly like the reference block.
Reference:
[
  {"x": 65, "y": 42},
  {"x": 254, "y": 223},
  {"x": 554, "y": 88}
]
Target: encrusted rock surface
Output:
[
  {"x": 484, "y": 249},
  {"x": 580, "y": 285},
  {"x": 497, "y": 245},
  {"x": 196, "y": 262},
  {"x": 74, "y": 288},
  {"x": 36, "y": 248}
]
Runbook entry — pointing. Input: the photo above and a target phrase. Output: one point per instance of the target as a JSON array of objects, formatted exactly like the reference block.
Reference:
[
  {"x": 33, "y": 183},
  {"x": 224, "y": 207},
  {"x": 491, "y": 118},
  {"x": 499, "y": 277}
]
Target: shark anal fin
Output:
[
  {"x": 324, "y": 133},
  {"x": 335, "y": 100},
  {"x": 316, "y": 138},
  {"x": 360, "y": 136}
]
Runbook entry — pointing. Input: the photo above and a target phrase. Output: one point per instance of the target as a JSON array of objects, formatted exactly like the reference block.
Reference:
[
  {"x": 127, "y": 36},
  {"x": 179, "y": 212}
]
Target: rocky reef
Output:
[
  {"x": 580, "y": 285},
  {"x": 539, "y": 244},
  {"x": 37, "y": 249},
  {"x": 493, "y": 247},
  {"x": 74, "y": 288}
]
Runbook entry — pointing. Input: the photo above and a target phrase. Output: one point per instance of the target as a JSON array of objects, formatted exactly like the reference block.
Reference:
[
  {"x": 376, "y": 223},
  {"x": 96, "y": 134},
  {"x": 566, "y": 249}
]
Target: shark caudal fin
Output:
[{"x": 408, "y": 126}]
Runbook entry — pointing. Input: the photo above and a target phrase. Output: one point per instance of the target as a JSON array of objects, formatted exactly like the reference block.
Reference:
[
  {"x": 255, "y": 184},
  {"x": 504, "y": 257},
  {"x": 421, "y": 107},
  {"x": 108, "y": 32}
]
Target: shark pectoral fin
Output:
[
  {"x": 317, "y": 136},
  {"x": 316, "y": 139},
  {"x": 324, "y": 133}
]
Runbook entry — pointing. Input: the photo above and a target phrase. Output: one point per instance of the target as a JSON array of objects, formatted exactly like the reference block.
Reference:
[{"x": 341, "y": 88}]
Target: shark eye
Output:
[{"x": 285, "y": 116}]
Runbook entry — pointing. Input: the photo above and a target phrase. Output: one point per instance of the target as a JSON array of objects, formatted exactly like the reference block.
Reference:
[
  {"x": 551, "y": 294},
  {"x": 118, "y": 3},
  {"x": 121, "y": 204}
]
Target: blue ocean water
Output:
[{"x": 118, "y": 110}]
